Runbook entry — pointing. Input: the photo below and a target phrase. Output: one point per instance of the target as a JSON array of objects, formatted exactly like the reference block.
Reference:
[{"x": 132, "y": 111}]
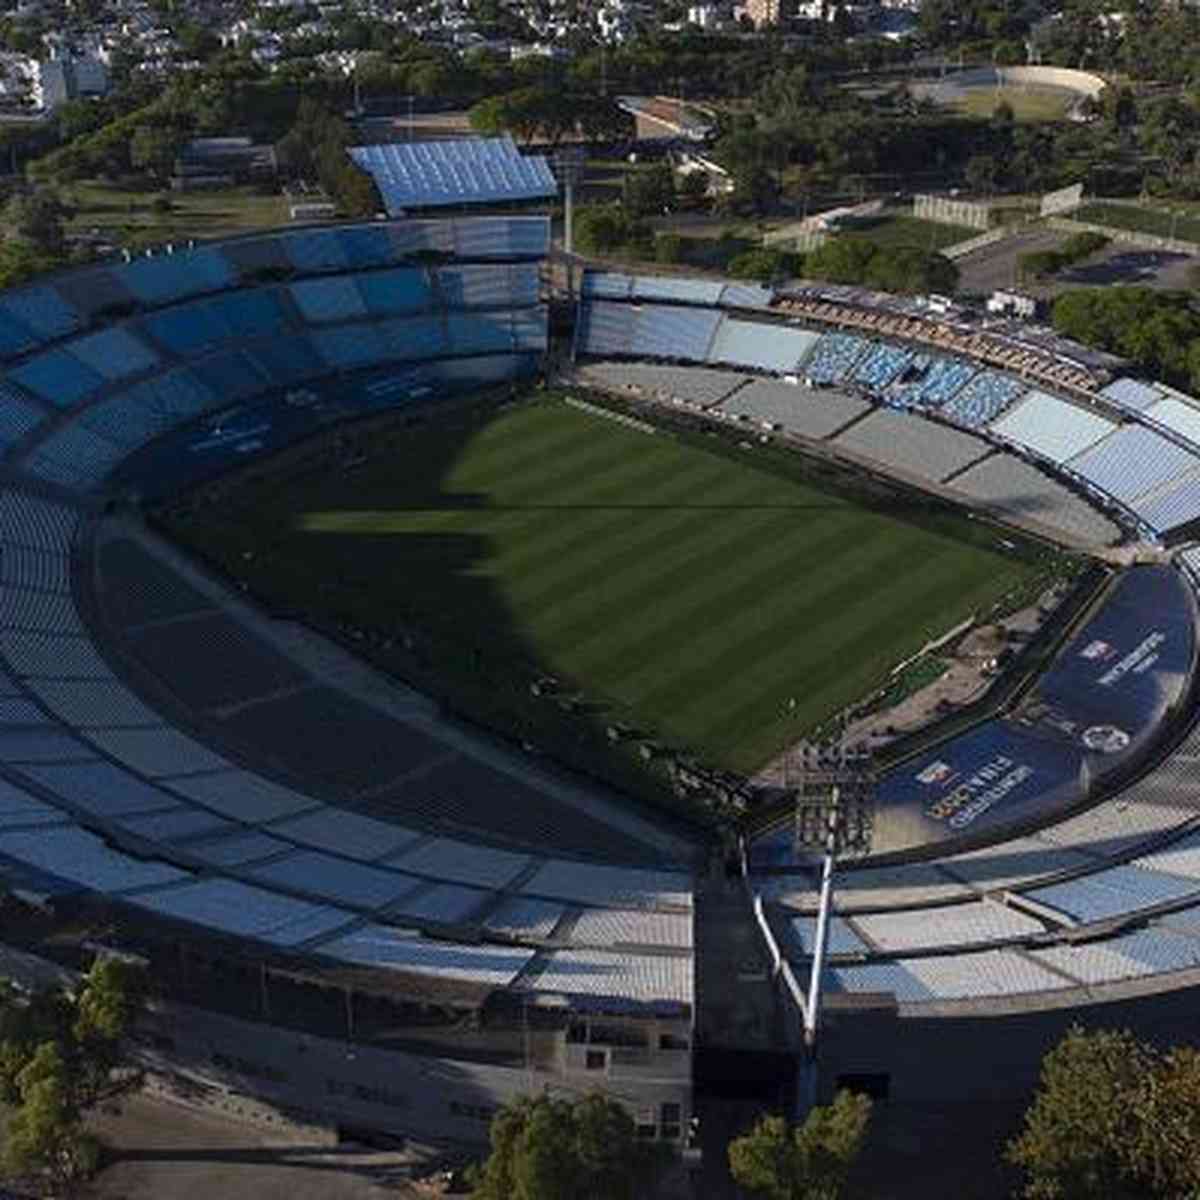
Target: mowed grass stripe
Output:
[
  {"x": 569, "y": 530},
  {"x": 696, "y": 590},
  {"x": 643, "y": 542},
  {"x": 755, "y": 608},
  {"x": 751, "y": 722},
  {"x": 702, "y": 593}
]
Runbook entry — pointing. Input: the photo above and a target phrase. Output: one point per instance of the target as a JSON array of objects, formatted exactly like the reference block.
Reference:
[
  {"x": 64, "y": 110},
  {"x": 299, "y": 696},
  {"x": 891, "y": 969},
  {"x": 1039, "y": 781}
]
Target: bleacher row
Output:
[
  {"x": 98, "y": 793},
  {"x": 128, "y": 383},
  {"x": 1135, "y": 453},
  {"x": 1014, "y": 917}
]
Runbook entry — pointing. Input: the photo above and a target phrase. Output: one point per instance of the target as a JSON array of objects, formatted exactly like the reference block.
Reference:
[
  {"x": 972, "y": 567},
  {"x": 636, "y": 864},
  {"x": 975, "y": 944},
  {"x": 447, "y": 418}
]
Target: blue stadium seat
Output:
[
  {"x": 413, "y": 337},
  {"x": 58, "y": 377},
  {"x": 253, "y": 313},
  {"x": 366, "y": 246},
  {"x": 320, "y": 250},
  {"x": 189, "y": 329},
  {"x": 42, "y": 310},
  {"x": 332, "y": 298},
  {"x": 392, "y": 293}
]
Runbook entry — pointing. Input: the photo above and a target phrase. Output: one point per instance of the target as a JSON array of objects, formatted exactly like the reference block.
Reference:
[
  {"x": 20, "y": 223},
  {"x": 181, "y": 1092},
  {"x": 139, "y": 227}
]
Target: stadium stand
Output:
[
  {"x": 1051, "y": 428},
  {"x": 678, "y": 333},
  {"x": 1011, "y": 487},
  {"x": 43, "y": 311},
  {"x": 780, "y": 349},
  {"x": 1131, "y": 462},
  {"x": 334, "y": 298},
  {"x": 691, "y": 385},
  {"x": 1178, "y": 505},
  {"x": 158, "y": 279},
  {"x": 981, "y": 400},
  {"x": 676, "y": 291},
  {"x": 606, "y": 329},
  {"x": 912, "y": 445},
  {"x": 624, "y": 980},
  {"x": 18, "y": 416},
  {"x": 57, "y": 377},
  {"x": 882, "y": 366},
  {"x": 941, "y": 380},
  {"x": 794, "y": 408},
  {"x": 1177, "y": 416},
  {"x": 1131, "y": 394},
  {"x": 833, "y": 358}
]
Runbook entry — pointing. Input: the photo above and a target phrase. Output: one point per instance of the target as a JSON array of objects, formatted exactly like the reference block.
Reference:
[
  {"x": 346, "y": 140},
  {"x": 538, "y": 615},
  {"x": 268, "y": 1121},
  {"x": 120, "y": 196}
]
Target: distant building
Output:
[
  {"x": 69, "y": 77},
  {"x": 761, "y": 12},
  {"x": 1013, "y": 304},
  {"x": 222, "y": 161}
]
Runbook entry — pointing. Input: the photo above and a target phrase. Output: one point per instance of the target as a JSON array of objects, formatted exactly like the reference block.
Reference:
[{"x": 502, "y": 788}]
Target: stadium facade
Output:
[{"x": 372, "y": 916}]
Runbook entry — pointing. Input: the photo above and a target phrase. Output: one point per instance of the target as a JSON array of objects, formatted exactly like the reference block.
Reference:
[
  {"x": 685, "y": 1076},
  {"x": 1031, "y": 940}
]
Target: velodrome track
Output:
[{"x": 104, "y": 792}]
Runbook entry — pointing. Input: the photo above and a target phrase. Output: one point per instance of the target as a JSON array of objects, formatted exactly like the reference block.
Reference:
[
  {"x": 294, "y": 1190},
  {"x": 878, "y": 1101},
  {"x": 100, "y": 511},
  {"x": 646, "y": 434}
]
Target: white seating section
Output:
[{"x": 1051, "y": 428}]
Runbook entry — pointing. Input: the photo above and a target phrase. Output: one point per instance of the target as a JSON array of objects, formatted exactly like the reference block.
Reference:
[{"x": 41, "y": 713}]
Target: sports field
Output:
[{"x": 692, "y": 591}]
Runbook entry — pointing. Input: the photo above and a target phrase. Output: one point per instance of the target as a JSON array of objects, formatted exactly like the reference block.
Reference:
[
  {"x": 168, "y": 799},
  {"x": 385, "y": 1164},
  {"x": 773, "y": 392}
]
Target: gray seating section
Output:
[
  {"x": 676, "y": 290},
  {"x": 630, "y": 927},
  {"x": 911, "y": 444},
  {"x": 615, "y": 976},
  {"x": 794, "y": 407},
  {"x": 1178, "y": 504},
  {"x": 692, "y": 385},
  {"x": 976, "y": 922},
  {"x": 1012, "y": 488},
  {"x": 674, "y": 332},
  {"x": 388, "y": 948}
]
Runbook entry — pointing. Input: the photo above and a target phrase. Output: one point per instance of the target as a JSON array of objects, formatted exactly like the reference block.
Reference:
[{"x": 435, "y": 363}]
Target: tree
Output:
[
  {"x": 807, "y": 1162},
  {"x": 1113, "y": 1117},
  {"x": 35, "y": 217},
  {"x": 153, "y": 149},
  {"x": 547, "y": 1149},
  {"x": 650, "y": 192}
]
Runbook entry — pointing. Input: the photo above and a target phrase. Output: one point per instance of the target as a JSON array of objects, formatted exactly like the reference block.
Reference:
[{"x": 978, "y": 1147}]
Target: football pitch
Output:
[{"x": 722, "y": 606}]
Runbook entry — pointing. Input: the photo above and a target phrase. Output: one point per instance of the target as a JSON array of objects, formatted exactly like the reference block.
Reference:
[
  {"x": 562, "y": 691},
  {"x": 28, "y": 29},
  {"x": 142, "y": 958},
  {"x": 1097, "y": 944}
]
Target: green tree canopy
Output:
[
  {"x": 547, "y": 1149},
  {"x": 1113, "y": 1118},
  {"x": 805, "y": 1162}
]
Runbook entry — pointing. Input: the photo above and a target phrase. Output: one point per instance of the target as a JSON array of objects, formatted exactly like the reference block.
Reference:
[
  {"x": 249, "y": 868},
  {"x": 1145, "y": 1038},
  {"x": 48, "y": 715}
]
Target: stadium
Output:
[{"x": 368, "y": 912}]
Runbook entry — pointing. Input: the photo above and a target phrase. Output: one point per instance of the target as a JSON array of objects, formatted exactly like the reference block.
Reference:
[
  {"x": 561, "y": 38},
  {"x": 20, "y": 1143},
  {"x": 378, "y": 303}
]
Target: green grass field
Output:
[
  {"x": 898, "y": 230},
  {"x": 1029, "y": 104},
  {"x": 1157, "y": 221},
  {"x": 691, "y": 590}
]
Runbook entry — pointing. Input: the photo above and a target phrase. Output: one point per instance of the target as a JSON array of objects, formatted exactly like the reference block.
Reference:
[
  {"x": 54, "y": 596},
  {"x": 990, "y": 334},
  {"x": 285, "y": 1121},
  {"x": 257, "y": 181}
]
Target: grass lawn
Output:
[
  {"x": 1160, "y": 222},
  {"x": 897, "y": 230},
  {"x": 116, "y": 213},
  {"x": 696, "y": 593},
  {"x": 1028, "y": 104}
]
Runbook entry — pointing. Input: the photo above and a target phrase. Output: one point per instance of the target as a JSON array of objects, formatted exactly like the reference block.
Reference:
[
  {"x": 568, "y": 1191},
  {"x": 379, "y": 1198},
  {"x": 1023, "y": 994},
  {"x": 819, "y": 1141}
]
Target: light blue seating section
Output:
[
  {"x": 676, "y": 291},
  {"x": 320, "y": 250},
  {"x": 231, "y": 374},
  {"x": 1114, "y": 892},
  {"x": 18, "y": 415},
  {"x": 834, "y": 357},
  {"x": 530, "y": 329},
  {"x": 287, "y": 360},
  {"x": 366, "y": 246},
  {"x": 42, "y": 310},
  {"x": 767, "y": 347},
  {"x": 345, "y": 347},
  {"x": 606, "y": 285},
  {"x": 166, "y": 278},
  {"x": 190, "y": 328},
  {"x": 74, "y": 456},
  {"x": 480, "y": 333},
  {"x": 1179, "y": 505},
  {"x": 392, "y": 293},
  {"x": 334, "y": 298},
  {"x": 149, "y": 408},
  {"x": 253, "y": 313},
  {"x": 15, "y": 338},
  {"x": 1054, "y": 429},
  {"x": 983, "y": 399},
  {"x": 1134, "y": 460},
  {"x": 1131, "y": 394},
  {"x": 413, "y": 337},
  {"x": 607, "y": 328},
  {"x": 487, "y": 285},
  {"x": 882, "y": 366},
  {"x": 941, "y": 381},
  {"x": 664, "y": 331},
  {"x": 56, "y": 376},
  {"x": 746, "y": 295},
  {"x": 501, "y": 237},
  {"x": 114, "y": 353}
]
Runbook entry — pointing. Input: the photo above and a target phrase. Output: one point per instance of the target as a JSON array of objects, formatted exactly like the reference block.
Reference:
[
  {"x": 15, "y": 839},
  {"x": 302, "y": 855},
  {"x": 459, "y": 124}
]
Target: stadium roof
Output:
[{"x": 462, "y": 171}]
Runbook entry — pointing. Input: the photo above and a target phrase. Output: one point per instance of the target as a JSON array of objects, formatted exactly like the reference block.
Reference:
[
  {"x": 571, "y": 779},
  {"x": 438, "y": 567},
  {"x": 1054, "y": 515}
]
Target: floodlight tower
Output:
[
  {"x": 835, "y": 816},
  {"x": 568, "y": 167}
]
